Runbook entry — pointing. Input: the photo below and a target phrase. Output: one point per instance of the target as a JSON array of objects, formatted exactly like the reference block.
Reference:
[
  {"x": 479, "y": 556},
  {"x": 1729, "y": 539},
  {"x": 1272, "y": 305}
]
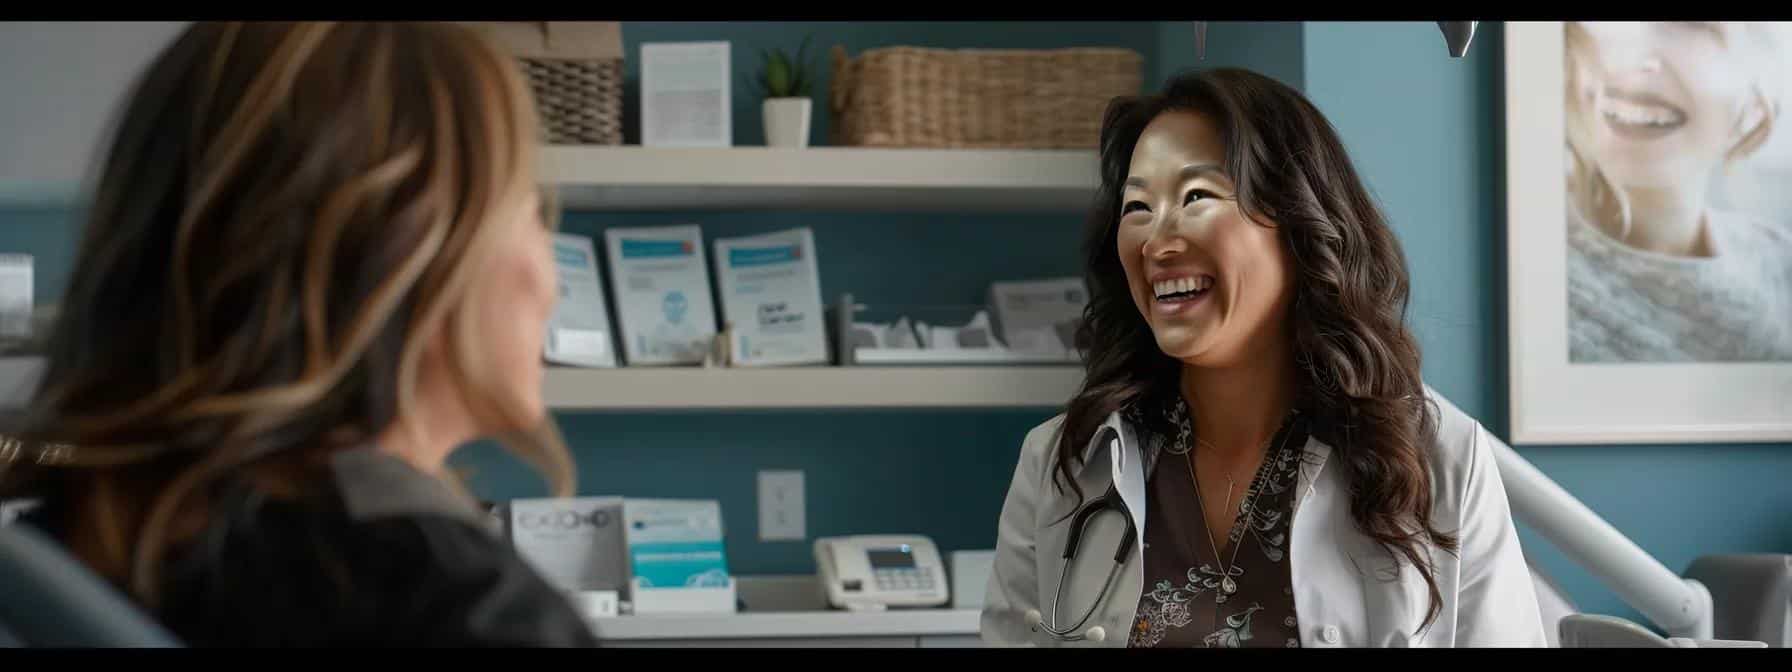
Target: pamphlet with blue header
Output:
[
  {"x": 771, "y": 298},
  {"x": 661, "y": 285},
  {"x": 579, "y": 331}
]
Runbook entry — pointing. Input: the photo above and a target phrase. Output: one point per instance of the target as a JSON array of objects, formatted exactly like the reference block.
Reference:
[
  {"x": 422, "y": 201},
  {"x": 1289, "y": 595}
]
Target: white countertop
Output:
[{"x": 806, "y": 624}]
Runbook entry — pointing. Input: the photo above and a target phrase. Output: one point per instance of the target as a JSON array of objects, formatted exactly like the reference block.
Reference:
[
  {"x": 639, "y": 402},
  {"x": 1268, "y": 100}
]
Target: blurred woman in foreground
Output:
[{"x": 315, "y": 265}]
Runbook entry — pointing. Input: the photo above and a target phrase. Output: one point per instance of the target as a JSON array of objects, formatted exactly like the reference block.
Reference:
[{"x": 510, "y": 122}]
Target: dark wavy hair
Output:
[{"x": 1358, "y": 364}]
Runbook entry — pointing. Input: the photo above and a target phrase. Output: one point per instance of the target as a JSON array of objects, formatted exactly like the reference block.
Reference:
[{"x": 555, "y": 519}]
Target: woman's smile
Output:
[
  {"x": 1177, "y": 295},
  {"x": 1636, "y": 115}
]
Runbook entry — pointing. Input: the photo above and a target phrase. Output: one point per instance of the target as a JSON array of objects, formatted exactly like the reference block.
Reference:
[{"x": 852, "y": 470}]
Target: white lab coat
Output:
[{"x": 1348, "y": 592}]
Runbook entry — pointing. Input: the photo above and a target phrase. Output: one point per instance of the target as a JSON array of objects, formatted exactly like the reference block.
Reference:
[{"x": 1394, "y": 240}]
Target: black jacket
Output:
[{"x": 385, "y": 556}]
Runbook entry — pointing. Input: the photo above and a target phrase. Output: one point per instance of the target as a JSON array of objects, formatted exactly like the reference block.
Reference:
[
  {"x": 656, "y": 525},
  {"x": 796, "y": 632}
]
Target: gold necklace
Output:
[
  {"x": 1228, "y": 586},
  {"x": 1230, "y": 480}
]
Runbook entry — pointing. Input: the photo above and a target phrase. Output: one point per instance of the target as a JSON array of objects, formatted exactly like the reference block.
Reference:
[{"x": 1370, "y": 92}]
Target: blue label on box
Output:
[
  {"x": 762, "y": 256},
  {"x": 639, "y": 249},
  {"x": 684, "y": 564}
]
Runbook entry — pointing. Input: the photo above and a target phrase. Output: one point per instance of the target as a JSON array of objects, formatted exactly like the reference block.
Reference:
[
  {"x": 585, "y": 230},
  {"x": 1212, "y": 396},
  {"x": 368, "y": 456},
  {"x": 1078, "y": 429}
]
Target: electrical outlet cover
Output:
[{"x": 781, "y": 509}]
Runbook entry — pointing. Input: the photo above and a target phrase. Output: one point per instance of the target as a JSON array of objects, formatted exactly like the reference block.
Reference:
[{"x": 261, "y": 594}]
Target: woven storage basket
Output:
[
  {"x": 575, "y": 70},
  {"x": 983, "y": 98}
]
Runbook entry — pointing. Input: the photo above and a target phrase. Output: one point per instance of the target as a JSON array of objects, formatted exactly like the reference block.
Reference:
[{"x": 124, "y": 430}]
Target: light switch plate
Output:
[{"x": 781, "y": 506}]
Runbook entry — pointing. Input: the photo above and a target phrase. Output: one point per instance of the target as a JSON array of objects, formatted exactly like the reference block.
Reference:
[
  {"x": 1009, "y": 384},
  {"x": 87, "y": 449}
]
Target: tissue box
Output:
[
  {"x": 575, "y": 543},
  {"x": 1039, "y": 315},
  {"x": 676, "y": 558}
]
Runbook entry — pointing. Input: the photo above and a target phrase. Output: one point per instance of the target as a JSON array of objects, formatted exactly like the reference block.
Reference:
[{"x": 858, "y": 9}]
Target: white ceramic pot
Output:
[{"x": 787, "y": 121}]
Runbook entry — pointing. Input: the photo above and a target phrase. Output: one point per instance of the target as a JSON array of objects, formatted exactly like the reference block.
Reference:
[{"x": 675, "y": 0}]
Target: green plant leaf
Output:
[
  {"x": 805, "y": 68},
  {"x": 781, "y": 76},
  {"x": 777, "y": 77},
  {"x": 802, "y": 66}
]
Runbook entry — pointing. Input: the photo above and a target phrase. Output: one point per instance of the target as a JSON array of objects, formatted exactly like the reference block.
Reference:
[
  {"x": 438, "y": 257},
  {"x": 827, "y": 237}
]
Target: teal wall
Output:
[
  {"x": 48, "y": 234},
  {"x": 1424, "y": 129},
  {"x": 1274, "y": 48}
]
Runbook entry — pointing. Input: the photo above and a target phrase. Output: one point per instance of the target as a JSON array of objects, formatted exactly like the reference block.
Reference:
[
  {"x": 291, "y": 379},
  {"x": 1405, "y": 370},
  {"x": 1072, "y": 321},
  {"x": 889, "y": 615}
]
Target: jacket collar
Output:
[
  {"x": 1114, "y": 426},
  {"x": 375, "y": 485},
  {"x": 1317, "y": 453},
  {"x": 1311, "y": 464}
]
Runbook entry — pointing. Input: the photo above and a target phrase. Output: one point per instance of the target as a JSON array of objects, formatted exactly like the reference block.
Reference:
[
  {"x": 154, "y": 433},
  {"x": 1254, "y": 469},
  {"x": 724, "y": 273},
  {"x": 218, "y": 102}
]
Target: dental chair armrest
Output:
[
  {"x": 1684, "y": 643},
  {"x": 1592, "y": 631},
  {"x": 1751, "y": 594}
]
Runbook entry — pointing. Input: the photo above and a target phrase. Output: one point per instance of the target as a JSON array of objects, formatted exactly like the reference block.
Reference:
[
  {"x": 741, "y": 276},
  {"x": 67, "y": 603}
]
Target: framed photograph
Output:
[{"x": 1649, "y": 231}]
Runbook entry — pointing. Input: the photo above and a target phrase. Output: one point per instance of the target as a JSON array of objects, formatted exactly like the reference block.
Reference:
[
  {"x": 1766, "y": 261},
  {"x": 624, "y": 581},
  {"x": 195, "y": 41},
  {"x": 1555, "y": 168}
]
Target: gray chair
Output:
[
  {"x": 1747, "y": 589},
  {"x": 1753, "y": 592},
  {"x": 52, "y": 600},
  {"x": 1590, "y": 631}
]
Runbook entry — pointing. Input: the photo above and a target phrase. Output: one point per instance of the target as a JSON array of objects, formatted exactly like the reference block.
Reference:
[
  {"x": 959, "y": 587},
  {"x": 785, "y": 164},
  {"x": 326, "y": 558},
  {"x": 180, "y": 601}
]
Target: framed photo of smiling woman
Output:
[{"x": 1649, "y": 232}]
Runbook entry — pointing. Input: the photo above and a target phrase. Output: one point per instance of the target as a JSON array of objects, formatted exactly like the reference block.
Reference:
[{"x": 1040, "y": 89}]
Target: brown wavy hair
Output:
[
  {"x": 1360, "y": 385},
  {"x": 287, "y": 216}
]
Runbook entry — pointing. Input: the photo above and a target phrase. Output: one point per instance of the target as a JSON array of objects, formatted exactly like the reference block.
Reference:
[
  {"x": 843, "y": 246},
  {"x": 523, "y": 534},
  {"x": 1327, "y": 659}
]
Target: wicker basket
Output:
[
  {"x": 580, "y": 100},
  {"x": 575, "y": 70},
  {"x": 976, "y": 98}
]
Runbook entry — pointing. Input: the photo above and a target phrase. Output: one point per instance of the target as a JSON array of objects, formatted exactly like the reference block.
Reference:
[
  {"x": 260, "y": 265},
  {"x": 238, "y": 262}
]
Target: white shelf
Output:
[
  {"x": 672, "y": 388},
  {"x": 820, "y": 178},
  {"x": 791, "y": 624},
  {"x": 966, "y": 356},
  {"x": 631, "y": 177}
]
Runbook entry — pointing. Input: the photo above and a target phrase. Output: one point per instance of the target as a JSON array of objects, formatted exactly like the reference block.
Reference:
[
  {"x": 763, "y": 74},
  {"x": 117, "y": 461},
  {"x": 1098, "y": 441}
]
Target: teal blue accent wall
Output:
[
  {"x": 1274, "y": 48},
  {"x": 50, "y": 235},
  {"x": 1424, "y": 132},
  {"x": 1427, "y": 133}
]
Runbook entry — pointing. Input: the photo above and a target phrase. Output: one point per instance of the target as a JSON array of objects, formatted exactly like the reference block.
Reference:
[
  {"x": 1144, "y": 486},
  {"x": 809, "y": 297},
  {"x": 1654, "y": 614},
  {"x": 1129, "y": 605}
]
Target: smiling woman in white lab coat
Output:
[{"x": 1253, "y": 459}]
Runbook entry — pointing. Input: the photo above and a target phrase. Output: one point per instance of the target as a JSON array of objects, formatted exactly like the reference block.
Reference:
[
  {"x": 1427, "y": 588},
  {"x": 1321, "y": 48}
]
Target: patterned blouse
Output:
[{"x": 1245, "y": 597}]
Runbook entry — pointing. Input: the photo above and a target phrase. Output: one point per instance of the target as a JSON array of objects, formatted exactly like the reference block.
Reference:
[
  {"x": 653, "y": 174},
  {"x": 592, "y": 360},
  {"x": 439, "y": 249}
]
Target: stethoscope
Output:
[{"x": 1108, "y": 501}]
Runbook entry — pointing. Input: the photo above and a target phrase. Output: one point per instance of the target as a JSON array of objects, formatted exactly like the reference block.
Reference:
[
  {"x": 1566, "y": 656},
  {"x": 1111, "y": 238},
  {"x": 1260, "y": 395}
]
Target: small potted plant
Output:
[{"x": 785, "y": 84}]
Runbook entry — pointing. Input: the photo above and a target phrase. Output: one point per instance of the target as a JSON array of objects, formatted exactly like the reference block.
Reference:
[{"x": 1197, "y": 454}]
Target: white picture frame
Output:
[
  {"x": 1554, "y": 401},
  {"x": 687, "y": 94}
]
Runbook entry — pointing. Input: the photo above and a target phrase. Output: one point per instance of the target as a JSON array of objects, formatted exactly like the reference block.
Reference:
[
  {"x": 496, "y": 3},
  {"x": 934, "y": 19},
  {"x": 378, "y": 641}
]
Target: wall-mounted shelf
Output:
[
  {"x": 818, "y": 387},
  {"x": 820, "y": 178},
  {"x": 810, "y": 625},
  {"x": 620, "y": 178}
]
